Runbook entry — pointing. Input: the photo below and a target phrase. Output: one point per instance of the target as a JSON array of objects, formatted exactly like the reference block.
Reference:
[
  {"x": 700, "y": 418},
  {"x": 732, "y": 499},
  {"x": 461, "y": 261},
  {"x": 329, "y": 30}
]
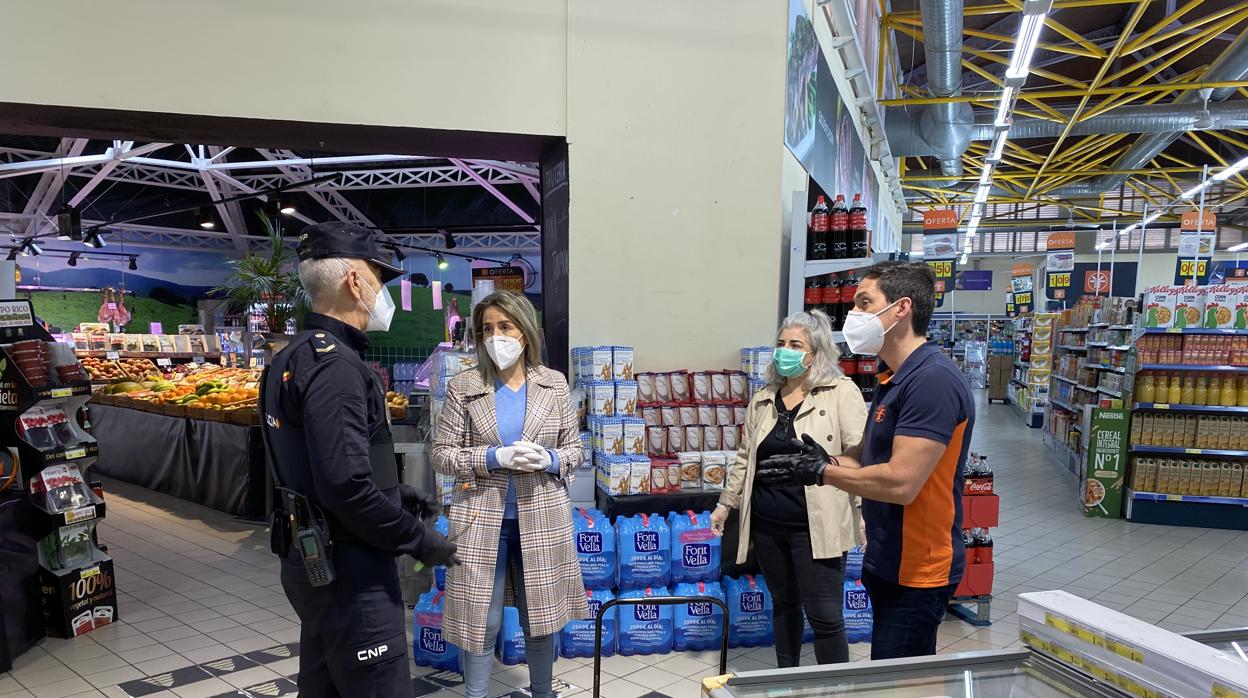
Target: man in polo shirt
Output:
[{"x": 908, "y": 467}]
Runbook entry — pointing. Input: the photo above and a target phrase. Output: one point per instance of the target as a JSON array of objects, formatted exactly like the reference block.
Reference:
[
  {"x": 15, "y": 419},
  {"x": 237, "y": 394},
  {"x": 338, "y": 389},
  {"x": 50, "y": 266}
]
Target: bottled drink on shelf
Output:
[
  {"x": 839, "y": 239},
  {"x": 1243, "y": 391},
  {"x": 849, "y": 288},
  {"x": 1201, "y": 397},
  {"x": 813, "y": 296},
  {"x": 1229, "y": 394},
  {"x": 831, "y": 299},
  {"x": 1189, "y": 390},
  {"x": 1145, "y": 389},
  {"x": 817, "y": 235},
  {"x": 857, "y": 228},
  {"x": 1174, "y": 394}
]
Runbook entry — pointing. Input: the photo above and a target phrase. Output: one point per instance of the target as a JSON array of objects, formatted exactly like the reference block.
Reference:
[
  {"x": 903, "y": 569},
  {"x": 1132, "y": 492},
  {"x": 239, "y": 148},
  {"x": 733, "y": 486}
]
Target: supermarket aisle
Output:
[{"x": 203, "y": 613}]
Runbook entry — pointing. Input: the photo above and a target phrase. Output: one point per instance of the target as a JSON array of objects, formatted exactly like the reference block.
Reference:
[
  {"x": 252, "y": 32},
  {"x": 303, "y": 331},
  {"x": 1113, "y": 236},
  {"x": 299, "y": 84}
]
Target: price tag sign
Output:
[
  {"x": 112, "y": 355},
  {"x": 76, "y": 453},
  {"x": 1161, "y": 406},
  {"x": 83, "y": 514},
  {"x": 942, "y": 268},
  {"x": 1174, "y": 498},
  {"x": 1192, "y": 451},
  {"x": 199, "y": 359},
  {"x": 60, "y": 392},
  {"x": 163, "y": 362},
  {"x": 1022, "y": 298}
]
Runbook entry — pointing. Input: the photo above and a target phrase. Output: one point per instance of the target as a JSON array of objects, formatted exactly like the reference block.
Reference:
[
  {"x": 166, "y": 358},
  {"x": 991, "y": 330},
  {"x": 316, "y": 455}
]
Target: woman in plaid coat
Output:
[{"x": 509, "y": 436}]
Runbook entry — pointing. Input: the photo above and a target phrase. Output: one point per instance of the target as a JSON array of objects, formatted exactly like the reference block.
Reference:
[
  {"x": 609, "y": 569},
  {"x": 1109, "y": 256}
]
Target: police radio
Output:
[{"x": 310, "y": 531}]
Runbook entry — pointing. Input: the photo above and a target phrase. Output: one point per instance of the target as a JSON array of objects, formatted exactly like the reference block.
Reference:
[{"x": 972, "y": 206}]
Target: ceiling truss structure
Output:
[
  {"x": 1138, "y": 68},
  {"x": 209, "y": 170}
]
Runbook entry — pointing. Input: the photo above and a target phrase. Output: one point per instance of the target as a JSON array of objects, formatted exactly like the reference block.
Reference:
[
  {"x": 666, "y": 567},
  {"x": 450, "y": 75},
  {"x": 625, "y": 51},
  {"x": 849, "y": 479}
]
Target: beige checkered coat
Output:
[{"x": 552, "y": 575}]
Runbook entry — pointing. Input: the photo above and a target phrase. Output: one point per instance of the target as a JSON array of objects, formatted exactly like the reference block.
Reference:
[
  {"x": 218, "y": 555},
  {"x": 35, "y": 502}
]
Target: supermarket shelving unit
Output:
[{"x": 1174, "y": 509}]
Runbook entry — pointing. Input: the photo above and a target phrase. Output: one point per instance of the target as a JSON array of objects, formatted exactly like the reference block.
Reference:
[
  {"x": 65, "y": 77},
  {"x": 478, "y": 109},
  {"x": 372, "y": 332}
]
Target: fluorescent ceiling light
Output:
[
  {"x": 977, "y": 210},
  {"x": 981, "y": 194},
  {"x": 998, "y": 146},
  {"x": 1230, "y": 171},
  {"x": 1151, "y": 218},
  {"x": 1005, "y": 108},
  {"x": 985, "y": 177},
  {"x": 1196, "y": 189},
  {"x": 974, "y": 222},
  {"x": 1029, "y": 30},
  {"x": 1238, "y": 248},
  {"x": 965, "y": 257},
  {"x": 1103, "y": 245}
]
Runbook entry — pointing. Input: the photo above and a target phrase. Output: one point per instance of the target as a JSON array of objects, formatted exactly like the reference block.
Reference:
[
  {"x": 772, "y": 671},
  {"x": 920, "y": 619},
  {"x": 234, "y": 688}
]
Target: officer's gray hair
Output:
[
  {"x": 322, "y": 278},
  {"x": 826, "y": 366}
]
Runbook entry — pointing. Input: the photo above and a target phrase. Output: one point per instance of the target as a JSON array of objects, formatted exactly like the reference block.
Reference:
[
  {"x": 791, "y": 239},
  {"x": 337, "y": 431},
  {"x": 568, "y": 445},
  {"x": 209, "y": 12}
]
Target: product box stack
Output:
[
  {"x": 1222, "y": 307},
  {"x": 1000, "y": 367},
  {"x": 981, "y": 510}
]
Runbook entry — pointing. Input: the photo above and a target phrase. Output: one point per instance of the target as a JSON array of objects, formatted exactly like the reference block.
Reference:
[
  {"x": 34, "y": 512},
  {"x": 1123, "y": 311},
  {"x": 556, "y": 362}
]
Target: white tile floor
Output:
[{"x": 196, "y": 586}]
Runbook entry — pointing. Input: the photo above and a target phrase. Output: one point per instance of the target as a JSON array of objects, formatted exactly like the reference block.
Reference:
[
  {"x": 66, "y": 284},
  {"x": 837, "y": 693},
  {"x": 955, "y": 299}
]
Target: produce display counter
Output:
[{"x": 212, "y": 463}]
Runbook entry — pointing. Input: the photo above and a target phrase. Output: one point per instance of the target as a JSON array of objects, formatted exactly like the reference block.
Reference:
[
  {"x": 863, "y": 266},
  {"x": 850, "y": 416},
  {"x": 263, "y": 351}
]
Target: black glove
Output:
[
  {"x": 811, "y": 462},
  {"x": 439, "y": 550},
  {"x": 777, "y": 471},
  {"x": 423, "y": 506}
]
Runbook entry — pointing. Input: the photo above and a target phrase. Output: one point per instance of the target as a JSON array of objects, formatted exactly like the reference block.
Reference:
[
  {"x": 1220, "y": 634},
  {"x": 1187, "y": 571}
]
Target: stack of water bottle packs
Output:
[{"x": 639, "y": 557}]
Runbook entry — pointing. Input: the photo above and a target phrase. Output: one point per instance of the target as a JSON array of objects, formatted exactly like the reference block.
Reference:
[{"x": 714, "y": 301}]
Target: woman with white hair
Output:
[{"x": 800, "y": 534}]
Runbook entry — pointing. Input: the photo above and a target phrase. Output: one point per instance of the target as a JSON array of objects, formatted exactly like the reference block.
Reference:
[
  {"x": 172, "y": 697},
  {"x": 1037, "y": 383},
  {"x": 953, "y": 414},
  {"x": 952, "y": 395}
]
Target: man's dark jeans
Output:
[{"x": 905, "y": 619}]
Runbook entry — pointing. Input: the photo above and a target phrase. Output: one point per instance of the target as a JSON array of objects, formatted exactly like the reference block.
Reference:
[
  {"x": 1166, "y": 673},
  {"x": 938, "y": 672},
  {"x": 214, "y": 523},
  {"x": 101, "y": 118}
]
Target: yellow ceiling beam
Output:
[
  {"x": 1217, "y": 157},
  {"x": 1056, "y": 172},
  {"x": 1135, "y": 44},
  {"x": 1139, "y": 90},
  {"x": 1002, "y": 60},
  {"x": 898, "y": 22},
  {"x": 1108, "y": 106},
  {"x": 1052, "y": 23},
  {"x": 1142, "y": 42},
  {"x": 1007, "y": 8},
  {"x": 1096, "y": 82},
  {"x": 1182, "y": 48}
]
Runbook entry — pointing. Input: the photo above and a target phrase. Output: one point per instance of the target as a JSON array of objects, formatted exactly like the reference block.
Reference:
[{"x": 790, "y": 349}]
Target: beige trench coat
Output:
[
  {"x": 552, "y": 574},
  {"x": 835, "y": 415}
]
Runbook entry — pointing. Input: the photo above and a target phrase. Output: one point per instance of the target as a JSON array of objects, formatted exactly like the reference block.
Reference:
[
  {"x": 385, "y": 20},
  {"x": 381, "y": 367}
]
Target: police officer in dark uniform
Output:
[{"x": 343, "y": 516}]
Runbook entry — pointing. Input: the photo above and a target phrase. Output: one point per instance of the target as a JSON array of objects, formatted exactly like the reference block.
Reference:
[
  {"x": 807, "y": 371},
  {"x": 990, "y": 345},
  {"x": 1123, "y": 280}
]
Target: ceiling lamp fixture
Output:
[
  {"x": 1196, "y": 189},
  {"x": 94, "y": 238},
  {"x": 68, "y": 224},
  {"x": 287, "y": 206},
  {"x": 1231, "y": 171},
  {"x": 998, "y": 147},
  {"x": 73, "y": 258},
  {"x": 29, "y": 248},
  {"x": 204, "y": 216},
  {"x": 1238, "y": 248},
  {"x": 448, "y": 240},
  {"x": 1005, "y": 107},
  {"x": 398, "y": 253},
  {"x": 442, "y": 263},
  {"x": 12, "y": 254},
  {"x": 985, "y": 177},
  {"x": 1029, "y": 30},
  {"x": 981, "y": 194},
  {"x": 134, "y": 262},
  {"x": 271, "y": 207}
]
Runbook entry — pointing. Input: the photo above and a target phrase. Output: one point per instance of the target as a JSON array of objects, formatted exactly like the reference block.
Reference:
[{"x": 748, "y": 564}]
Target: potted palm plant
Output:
[{"x": 268, "y": 279}]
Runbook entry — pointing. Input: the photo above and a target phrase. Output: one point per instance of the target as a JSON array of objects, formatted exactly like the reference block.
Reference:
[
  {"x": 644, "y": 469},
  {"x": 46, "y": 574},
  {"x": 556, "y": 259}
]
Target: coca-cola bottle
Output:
[
  {"x": 832, "y": 300},
  {"x": 813, "y": 296},
  {"x": 857, "y": 228},
  {"x": 817, "y": 235},
  {"x": 849, "y": 289},
  {"x": 839, "y": 238}
]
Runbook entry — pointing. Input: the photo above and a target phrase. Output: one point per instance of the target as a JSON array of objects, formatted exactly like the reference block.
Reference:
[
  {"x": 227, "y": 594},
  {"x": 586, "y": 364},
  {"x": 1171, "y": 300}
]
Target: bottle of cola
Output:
[
  {"x": 812, "y": 299},
  {"x": 839, "y": 238},
  {"x": 832, "y": 300},
  {"x": 858, "y": 228},
  {"x": 817, "y": 235}
]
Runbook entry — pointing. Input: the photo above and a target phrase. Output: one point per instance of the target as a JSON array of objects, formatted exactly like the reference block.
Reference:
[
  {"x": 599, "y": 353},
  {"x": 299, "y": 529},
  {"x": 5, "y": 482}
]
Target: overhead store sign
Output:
[
  {"x": 1011, "y": 310},
  {"x": 1059, "y": 265},
  {"x": 818, "y": 128},
  {"x": 1197, "y": 234},
  {"x": 978, "y": 280},
  {"x": 1020, "y": 278},
  {"x": 940, "y": 246},
  {"x": 1098, "y": 281}
]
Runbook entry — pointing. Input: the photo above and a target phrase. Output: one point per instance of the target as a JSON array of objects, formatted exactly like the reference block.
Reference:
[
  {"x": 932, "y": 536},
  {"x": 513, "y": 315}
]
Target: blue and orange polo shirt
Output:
[{"x": 920, "y": 544}]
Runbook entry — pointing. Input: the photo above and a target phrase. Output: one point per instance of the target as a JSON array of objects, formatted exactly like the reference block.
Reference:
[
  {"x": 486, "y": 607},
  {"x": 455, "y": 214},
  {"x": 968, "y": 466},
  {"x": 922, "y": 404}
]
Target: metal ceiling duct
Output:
[
  {"x": 1145, "y": 118},
  {"x": 946, "y": 128},
  {"x": 1230, "y": 66}
]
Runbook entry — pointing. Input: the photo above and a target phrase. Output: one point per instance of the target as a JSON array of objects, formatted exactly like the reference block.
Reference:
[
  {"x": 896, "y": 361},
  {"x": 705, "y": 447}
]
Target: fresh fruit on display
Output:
[{"x": 101, "y": 370}]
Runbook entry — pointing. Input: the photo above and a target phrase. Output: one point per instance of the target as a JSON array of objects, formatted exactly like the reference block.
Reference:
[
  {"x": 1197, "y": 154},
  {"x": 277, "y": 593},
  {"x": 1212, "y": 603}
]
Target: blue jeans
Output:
[
  {"x": 539, "y": 651},
  {"x": 905, "y": 619}
]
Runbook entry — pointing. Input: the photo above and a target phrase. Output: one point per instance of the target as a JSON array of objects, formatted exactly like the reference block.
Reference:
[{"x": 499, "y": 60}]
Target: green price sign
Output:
[{"x": 1105, "y": 470}]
